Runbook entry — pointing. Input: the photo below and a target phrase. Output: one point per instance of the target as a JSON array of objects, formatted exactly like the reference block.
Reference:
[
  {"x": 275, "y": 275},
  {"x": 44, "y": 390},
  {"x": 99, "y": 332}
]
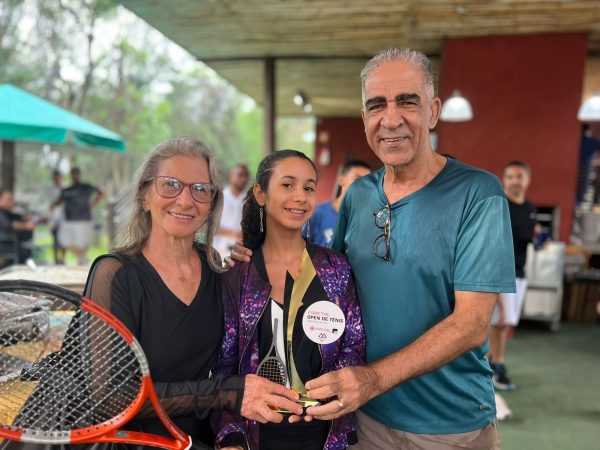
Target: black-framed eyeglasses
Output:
[
  {"x": 169, "y": 187},
  {"x": 383, "y": 221}
]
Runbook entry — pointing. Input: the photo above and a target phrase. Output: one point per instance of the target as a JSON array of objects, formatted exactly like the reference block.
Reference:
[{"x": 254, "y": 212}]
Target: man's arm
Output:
[
  {"x": 463, "y": 330},
  {"x": 23, "y": 225},
  {"x": 58, "y": 200},
  {"x": 501, "y": 311}
]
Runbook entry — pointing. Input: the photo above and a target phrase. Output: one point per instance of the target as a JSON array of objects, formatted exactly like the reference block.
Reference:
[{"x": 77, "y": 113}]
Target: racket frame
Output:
[{"x": 108, "y": 431}]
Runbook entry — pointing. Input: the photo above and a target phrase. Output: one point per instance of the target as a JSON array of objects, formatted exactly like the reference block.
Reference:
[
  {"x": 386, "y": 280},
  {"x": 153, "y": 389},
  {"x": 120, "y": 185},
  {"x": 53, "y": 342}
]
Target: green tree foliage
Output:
[
  {"x": 10, "y": 16},
  {"x": 99, "y": 60}
]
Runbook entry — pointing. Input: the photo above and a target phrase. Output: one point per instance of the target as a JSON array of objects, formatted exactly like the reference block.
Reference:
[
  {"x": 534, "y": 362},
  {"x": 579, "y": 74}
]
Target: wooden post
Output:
[
  {"x": 110, "y": 222},
  {"x": 269, "y": 101},
  {"x": 8, "y": 165}
]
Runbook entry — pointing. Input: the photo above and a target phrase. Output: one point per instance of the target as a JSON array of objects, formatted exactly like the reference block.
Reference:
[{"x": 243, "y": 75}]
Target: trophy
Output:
[
  {"x": 323, "y": 322},
  {"x": 273, "y": 368}
]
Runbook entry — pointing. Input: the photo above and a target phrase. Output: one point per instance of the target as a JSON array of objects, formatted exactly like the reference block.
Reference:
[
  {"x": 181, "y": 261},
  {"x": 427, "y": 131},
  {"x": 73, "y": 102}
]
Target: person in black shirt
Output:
[
  {"x": 79, "y": 200},
  {"x": 165, "y": 287},
  {"x": 524, "y": 225}
]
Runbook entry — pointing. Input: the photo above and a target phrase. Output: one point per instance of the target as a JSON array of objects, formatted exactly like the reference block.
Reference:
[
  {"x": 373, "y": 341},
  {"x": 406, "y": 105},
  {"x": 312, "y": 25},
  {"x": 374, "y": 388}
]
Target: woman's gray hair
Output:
[
  {"x": 406, "y": 55},
  {"x": 140, "y": 222}
]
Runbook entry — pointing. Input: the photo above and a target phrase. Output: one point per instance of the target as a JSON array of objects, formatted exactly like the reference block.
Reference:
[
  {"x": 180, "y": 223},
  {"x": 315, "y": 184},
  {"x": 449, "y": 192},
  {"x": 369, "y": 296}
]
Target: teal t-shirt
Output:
[{"x": 452, "y": 235}]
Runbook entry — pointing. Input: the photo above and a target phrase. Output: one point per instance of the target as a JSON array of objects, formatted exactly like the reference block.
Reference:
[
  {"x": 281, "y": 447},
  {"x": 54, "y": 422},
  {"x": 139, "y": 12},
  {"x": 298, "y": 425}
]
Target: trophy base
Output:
[{"x": 303, "y": 401}]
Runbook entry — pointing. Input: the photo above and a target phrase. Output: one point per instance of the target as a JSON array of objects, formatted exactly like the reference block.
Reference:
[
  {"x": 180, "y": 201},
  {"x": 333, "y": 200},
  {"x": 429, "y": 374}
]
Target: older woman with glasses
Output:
[{"x": 163, "y": 283}]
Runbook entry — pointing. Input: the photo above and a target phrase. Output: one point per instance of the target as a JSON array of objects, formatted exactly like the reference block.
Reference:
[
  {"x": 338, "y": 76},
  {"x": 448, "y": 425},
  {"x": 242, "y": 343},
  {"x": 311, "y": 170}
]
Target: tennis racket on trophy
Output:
[
  {"x": 272, "y": 366},
  {"x": 275, "y": 369},
  {"x": 71, "y": 372}
]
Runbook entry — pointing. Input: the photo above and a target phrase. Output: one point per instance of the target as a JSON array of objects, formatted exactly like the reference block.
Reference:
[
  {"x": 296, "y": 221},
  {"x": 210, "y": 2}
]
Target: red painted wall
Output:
[
  {"x": 346, "y": 140},
  {"x": 525, "y": 92}
]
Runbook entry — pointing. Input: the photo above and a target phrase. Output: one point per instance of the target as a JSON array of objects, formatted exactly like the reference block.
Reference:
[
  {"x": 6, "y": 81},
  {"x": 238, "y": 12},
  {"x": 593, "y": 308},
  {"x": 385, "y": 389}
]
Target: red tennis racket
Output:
[{"x": 71, "y": 372}]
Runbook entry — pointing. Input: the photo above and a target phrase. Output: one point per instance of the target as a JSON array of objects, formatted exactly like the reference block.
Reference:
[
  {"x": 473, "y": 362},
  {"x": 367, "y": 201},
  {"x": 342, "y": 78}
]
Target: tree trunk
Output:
[{"x": 8, "y": 165}]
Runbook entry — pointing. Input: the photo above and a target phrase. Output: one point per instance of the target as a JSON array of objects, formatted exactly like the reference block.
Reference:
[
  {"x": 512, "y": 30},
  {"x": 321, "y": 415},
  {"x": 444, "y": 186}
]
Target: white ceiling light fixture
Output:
[
  {"x": 456, "y": 109},
  {"x": 301, "y": 100},
  {"x": 589, "y": 111}
]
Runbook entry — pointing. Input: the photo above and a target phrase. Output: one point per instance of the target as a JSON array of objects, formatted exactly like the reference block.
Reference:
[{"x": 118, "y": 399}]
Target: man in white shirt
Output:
[{"x": 230, "y": 229}]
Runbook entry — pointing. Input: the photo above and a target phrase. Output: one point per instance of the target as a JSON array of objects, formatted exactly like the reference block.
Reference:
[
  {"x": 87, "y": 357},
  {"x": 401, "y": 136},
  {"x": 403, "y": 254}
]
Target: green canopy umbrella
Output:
[{"x": 25, "y": 117}]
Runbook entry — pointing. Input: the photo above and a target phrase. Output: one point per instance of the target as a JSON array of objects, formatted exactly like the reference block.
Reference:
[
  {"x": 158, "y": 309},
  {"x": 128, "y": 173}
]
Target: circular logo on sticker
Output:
[{"x": 323, "y": 322}]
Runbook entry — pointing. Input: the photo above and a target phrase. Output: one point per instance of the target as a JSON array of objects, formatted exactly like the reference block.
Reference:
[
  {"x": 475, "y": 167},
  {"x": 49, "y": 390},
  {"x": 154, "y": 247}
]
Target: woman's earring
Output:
[
  {"x": 261, "y": 212},
  {"x": 308, "y": 229}
]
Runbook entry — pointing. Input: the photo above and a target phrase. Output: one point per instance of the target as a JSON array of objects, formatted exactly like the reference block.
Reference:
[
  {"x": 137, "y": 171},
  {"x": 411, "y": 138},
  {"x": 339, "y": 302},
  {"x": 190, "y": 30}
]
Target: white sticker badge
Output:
[{"x": 323, "y": 322}]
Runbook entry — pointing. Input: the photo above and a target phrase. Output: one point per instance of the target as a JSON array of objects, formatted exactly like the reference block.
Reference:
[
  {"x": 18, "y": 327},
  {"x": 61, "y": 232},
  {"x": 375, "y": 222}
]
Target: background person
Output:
[
  {"x": 525, "y": 227},
  {"x": 323, "y": 221},
  {"x": 286, "y": 276},
  {"x": 79, "y": 201},
  {"x": 230, "y": 228},
  {"x": 164, "y": 285},
  {"x": 14, "y": 227}
]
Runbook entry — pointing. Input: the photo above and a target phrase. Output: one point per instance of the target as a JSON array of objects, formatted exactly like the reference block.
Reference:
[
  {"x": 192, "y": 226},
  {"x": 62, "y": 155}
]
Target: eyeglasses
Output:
[
  {"x": 169, "y": 187},
  {"x": 383, "y": 220}
]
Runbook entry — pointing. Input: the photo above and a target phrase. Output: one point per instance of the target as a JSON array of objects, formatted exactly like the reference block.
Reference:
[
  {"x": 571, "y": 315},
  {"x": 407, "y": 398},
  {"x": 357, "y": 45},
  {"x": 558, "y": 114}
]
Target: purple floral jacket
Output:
[{"x": 245, "y": 297}]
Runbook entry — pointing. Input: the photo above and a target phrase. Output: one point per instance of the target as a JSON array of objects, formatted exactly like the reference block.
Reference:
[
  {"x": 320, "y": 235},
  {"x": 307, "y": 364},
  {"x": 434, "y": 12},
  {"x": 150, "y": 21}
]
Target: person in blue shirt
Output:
[
  {"x": 323, "y": 221},
  {"x": 419, "y": 234}
]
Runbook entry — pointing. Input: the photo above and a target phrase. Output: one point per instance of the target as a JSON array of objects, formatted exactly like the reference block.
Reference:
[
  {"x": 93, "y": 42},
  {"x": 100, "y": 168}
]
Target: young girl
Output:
[{"x": 278, "y": 293}]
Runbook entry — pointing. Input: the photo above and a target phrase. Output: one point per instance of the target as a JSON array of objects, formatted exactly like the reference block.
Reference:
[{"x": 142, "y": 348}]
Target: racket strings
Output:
[
  {"x": 93, "y": 377},
  {"x": 86, "y": 392},
  {"x": 272, "y": 369}
]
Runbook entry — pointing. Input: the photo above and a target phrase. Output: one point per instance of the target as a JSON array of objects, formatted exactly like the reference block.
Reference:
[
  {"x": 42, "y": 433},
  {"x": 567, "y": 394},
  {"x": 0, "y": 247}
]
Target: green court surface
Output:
[{"x": 556, "y": 405}]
